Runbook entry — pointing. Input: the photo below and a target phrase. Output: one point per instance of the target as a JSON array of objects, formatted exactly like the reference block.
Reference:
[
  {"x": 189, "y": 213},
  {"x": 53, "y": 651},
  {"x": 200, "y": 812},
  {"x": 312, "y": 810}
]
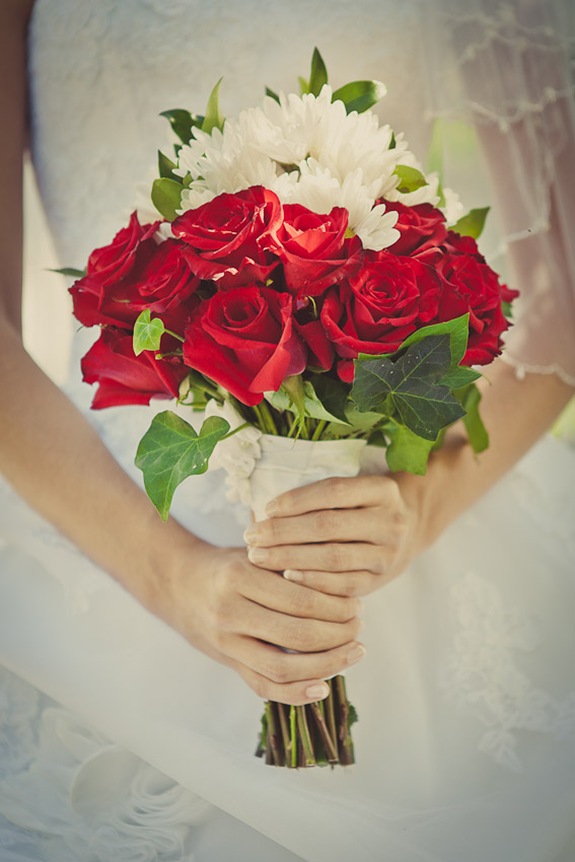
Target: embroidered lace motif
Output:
[{"x": 485, "y": 680}]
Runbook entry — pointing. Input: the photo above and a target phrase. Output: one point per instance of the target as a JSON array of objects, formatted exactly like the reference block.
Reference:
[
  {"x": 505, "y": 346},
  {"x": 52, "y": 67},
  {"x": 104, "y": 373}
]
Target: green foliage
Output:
[
  {"x": 182, "y": 123},
  {"x": 407, "y": 451},
  {"x": 166, "y": 167},
  {"x": 166, "y": 196},
  {"x": 171, "y": 450},
  {"x": 458, "y": 331},
  {"x": 410, "y": 385},
  {"x": 410, "y": 179},
  {"x": 273, "y": 95},
  {"x": 471, "y": 224},
  {"x": 470, "y": 396},
  {"x": 214, "y": 118},
  {"x": 360, "y": 96},
  {"x": 147, "y": 332},
  {"x": 318, "y": 74},
  {"x": 70, "y": 272}
]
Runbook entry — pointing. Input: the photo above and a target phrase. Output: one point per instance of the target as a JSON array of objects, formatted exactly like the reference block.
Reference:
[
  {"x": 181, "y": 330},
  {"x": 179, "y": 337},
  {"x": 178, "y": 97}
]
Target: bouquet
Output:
[{"x": 305, "y": 276}]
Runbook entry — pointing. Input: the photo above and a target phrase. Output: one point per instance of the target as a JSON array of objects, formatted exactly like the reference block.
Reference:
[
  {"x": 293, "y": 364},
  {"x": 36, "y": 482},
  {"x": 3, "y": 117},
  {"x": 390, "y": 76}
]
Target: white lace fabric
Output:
[{"x": 508, "y": 68}]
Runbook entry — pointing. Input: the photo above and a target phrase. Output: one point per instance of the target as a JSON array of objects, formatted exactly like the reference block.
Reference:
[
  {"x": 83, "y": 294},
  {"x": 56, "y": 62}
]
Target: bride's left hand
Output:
[{"x": 345, "y": 537}]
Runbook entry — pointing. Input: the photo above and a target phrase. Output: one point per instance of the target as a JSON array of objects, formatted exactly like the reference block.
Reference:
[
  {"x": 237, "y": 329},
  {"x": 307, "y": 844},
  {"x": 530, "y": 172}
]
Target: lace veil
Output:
[{"x": 507, "y": 67}]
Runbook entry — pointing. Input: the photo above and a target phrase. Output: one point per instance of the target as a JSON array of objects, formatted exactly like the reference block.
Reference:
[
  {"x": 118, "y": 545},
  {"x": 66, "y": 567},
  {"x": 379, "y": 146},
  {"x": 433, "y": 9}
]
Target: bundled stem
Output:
[{"x": 316, "y": 734}]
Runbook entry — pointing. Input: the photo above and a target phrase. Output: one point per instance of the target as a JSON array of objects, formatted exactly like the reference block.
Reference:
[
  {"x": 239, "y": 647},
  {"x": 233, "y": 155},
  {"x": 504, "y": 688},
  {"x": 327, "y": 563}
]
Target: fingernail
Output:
[
  {"x": 272, "y": 508},
  {"x": 291, "y": 575},
  {"x": 258, "y": 555},
  {"x": 250, "y": 535},
  {"x": 355, "y": 653},
  {"x": 317, "y": 692}
]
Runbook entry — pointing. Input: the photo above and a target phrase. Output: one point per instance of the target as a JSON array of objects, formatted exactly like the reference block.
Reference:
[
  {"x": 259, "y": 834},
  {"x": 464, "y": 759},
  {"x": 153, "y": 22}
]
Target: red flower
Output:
[
  {"x": 226, "y": 238},
  {"x": 124, "y": 378},
  {"x": 130, "y": 274},
  {"x": 314, "y": 249},
  {"x": 374, "y": 312},
  {"x": 470, "y": 285},
  {"x": 244, "y": 340},
  {"x": 421, "y": 227}
]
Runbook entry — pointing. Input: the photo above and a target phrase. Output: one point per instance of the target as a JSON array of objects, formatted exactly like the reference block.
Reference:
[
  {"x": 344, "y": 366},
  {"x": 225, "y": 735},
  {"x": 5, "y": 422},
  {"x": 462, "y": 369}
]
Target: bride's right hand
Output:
[{"x": 232, "y": 611}]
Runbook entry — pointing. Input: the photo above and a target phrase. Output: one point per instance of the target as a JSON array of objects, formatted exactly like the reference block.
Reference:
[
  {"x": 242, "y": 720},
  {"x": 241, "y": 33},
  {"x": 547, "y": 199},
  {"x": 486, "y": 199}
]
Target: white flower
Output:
[{"x": 453, "y": 209}]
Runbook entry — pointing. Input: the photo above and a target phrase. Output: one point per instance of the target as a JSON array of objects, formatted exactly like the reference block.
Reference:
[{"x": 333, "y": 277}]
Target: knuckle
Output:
[
  {"x": 325, "y": 522},
  {"x": 338, "y": 490},
  {"x": 277, "y": 669}
]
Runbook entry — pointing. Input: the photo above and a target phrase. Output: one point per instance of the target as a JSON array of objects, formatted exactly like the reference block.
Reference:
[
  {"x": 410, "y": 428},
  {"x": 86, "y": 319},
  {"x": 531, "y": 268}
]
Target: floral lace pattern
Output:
[
  {"x": 71, "y": 794},
  {"x": 484, "y": 678}
]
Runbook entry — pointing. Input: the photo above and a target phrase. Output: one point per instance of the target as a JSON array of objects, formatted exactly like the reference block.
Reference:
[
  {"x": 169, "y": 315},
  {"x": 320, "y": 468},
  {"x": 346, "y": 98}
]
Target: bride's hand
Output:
[
  {"x": 242, "y": 616},
  {"x": 343, "y": 537}
]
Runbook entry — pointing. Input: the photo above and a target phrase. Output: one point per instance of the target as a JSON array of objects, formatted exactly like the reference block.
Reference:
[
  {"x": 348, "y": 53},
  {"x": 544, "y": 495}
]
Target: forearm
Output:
[
  {"x": 516, "y": 413},
  {"x": 56, "y": 461}
]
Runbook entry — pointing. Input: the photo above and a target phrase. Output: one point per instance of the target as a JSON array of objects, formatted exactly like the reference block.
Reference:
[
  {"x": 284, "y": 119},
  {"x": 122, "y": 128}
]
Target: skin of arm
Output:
[{"x": 214, "y": 597}]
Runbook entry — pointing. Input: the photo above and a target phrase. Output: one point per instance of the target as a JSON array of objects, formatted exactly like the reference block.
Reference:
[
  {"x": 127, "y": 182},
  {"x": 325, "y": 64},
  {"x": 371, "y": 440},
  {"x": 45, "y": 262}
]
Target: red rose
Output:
[
  {"x": 124, "y": 378},
  {"x": 314, "y": 249},
  {"x": 112, "y": 262},
  {"x": 421, "y": 227},
  {"x": 245, "y": 340},
  {"x": 470, "y": 285},
  {"x": 374, "y": 312},
  {"x": 224, "y": 239},
  {"x": 129, "y": 252}
]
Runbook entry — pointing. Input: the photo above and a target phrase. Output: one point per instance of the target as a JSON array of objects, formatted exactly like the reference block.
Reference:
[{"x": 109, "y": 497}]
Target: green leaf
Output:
[
  {"x": 471, "y": 224},
  {"x": 166, "y": 196},
  {"x": 214, "y": 118},
  {"x": 166, "y": 167},
  {"x": 182, "y": 123},
  {"x": 70, "y": 272},
  {"x": 171, "y": 450},
  {"x": 411, "y": 383},
  {"x": 300, "y": 398},
  {"x": 147, "y": 333},
  {"x": 460, "y": 376},
  {"x": 410, "y": 179},
  {"x": 318, "y": 74},
  {"x": 470, "y": 397},
  {"x": 303, "y": 85},
  {"x": 272, "y": 95},
  {"x": 457, "y": 329},
  {"x": 360, "y": 96},
  {"x": 333, "y": 395},
  {"x": 407, "y": 452}
]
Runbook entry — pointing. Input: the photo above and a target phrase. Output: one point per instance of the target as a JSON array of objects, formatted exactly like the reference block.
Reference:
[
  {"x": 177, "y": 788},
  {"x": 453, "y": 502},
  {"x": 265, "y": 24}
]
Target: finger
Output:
[
  {"x": 330, "y": 557},
  {"x": 377, "y": 525},
  {"x": 342, "y": 493},
  {"x": 346, "y": 584},
  {"x": 295, "y": 633},
  {"x": 289, "y": 678},
  {"x": 297, "y": 600}
]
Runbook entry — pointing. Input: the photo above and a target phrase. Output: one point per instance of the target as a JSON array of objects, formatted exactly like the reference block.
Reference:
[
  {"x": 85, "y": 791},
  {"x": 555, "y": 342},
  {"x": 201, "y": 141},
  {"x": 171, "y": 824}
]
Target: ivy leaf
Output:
[
  {"x": 411, "y": 385},
  {"x": 182, "y": 123},
  {"x": 407, "y": 452},
  {"x": 166, "y": 196},
  {"x": 214, "y": 118},
  {"x": 147, "y": 333},
  {"x": 471, "y": 224},
  {"x": 171, "y": 450},
  {"x": 410, "y": 179},
  {"x": 457, "y": 329},
  {"x": 360, "y": 96},
  {"x": 470, "y": 396},
  {"x": 318, "y": 74},
  {"x": 460, "y": 376}
]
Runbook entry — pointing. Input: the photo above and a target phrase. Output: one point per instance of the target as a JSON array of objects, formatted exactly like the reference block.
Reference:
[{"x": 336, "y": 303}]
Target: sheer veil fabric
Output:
[{"x": 117, "y": 740}]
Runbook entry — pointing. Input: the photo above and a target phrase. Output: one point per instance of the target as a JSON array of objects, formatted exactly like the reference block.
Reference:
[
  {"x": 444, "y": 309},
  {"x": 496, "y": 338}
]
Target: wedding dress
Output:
[{"x": 120, "y": 742}]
